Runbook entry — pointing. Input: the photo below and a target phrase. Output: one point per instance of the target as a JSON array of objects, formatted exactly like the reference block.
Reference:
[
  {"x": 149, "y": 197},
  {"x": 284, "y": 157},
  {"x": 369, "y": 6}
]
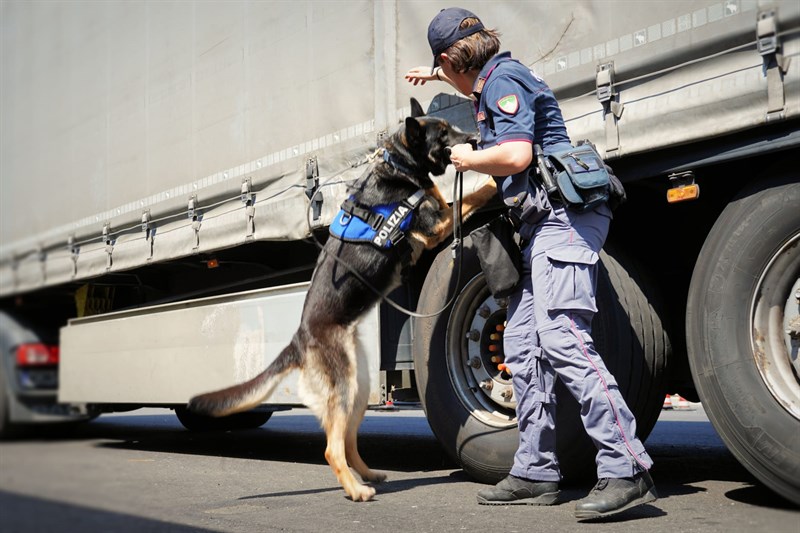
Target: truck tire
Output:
[
  {"x": 743, "y": 332},
  {"x": 239, "y": 421},
  {"x": 468, "y": 401}
]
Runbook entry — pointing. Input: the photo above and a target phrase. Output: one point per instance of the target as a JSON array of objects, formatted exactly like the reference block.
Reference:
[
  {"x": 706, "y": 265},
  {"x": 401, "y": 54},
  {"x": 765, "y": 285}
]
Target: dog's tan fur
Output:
[
  {"x": 334, "y": 377},
  {"x": 340, "y": 413},
  {"x": 341, "y": 422},
  {"x": 341, "y": 425},
  {"x": 469, "y": 205}
]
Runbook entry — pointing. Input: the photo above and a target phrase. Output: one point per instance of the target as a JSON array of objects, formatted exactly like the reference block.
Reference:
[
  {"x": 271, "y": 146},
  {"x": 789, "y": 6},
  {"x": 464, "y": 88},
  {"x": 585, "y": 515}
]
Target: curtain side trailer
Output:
[{"x": 167, "y": 167}]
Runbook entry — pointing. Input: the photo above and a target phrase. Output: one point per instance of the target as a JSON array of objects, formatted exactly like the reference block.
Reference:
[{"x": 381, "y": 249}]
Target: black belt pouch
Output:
[{"x": 499, "y": 254}]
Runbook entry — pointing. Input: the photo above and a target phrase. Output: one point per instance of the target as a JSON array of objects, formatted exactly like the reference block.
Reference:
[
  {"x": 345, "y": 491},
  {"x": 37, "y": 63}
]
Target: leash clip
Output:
[{"x": 456, "y": 244}]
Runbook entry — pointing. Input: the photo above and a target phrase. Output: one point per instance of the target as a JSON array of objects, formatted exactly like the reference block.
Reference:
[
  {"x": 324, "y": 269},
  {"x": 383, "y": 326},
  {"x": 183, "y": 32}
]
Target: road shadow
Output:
[
  {"x": 26, "y": 514},
  {"x": 386, "y": 487},
  {"x": 688, "y": 453},
  {"x": 398, "y": 442},
  {"x": 758, "y": 494},
  {"x": 640, "y": 512},
  {"x": 685, "y": 454}
]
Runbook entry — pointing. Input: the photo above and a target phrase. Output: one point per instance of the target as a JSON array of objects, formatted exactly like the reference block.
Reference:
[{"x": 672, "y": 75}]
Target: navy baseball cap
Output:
[{"x": 445, "y": 30}]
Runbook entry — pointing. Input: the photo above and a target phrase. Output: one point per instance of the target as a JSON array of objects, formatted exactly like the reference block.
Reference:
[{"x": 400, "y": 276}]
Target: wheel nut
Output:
[
  {"x": 794, "y": 328},
  {"x": 487, "y": 385},
  {"x": 484, "y": 311},
  {"x": 475, "y": 362},
  {"x": 474, "y": 335},
  {"x": 507, "y": 394}
]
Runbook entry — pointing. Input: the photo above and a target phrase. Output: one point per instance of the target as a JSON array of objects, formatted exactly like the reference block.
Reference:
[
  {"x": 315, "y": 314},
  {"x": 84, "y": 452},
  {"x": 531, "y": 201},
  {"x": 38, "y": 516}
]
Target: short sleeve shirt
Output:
[{"x": 514, "y": 104}]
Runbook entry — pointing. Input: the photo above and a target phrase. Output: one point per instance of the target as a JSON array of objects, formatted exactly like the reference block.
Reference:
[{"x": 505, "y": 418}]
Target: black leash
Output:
[{"x": 457, "y": 247}]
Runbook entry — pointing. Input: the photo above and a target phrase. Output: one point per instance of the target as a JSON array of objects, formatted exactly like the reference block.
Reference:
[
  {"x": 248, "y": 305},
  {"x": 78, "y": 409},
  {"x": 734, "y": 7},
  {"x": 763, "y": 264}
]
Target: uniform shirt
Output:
[{"x": 513, "y": 104}]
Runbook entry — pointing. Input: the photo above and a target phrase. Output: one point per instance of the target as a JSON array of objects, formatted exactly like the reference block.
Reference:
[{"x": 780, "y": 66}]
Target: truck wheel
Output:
[
  {"x": 469, "y": 403},
  {"x": 239, "y": 421},
  {"x": 743, "y": 331}
]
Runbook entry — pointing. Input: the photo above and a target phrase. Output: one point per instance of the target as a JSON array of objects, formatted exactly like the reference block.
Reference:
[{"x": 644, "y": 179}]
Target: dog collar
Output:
[{"x": 396, "y": 164}]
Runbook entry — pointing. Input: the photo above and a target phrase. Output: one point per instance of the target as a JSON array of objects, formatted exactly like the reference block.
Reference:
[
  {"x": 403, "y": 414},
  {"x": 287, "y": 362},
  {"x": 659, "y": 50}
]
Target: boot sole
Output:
[
  {"x": 548, "y": 498},
  {"x": 649, "y": 496}
]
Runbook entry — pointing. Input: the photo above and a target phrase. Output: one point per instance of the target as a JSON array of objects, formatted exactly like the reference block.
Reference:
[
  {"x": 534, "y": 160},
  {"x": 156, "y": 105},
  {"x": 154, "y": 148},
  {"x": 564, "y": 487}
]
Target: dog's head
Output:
[{"x": 428, "y": 139}]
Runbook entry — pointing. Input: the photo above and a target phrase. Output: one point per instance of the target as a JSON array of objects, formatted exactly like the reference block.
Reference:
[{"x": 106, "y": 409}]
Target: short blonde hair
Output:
[{"x": 474, "y": 51}]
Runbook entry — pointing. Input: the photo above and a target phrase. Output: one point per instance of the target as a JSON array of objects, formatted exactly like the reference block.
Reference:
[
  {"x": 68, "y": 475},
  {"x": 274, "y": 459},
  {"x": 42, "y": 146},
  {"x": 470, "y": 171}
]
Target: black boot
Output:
[
  {"x": 517, "y": 491},
  {"x": 612, "y": 495}
]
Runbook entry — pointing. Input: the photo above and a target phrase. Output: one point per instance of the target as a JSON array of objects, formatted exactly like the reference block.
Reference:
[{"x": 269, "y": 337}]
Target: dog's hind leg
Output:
[
  {"x": 336, "y": 427},
  {"x": 329, "y": 388},
  {"x": 355, "y": 460},
  {"x": 356, "y": 416}
]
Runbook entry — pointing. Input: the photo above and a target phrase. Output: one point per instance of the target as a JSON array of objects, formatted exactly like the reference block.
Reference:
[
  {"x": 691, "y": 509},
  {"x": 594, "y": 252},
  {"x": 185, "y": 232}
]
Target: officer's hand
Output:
[
  {"x": 459, "y": 154},
  {"x": 419, "y": 75}
]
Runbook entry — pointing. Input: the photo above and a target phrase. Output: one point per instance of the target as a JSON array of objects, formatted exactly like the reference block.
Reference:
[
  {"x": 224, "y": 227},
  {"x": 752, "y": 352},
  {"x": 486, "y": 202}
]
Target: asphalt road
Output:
[{"x": 141, "y": 472}]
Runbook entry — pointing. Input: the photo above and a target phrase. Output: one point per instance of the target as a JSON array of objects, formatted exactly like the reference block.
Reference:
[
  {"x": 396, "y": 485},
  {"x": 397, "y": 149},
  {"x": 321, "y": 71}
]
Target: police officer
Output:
[{"x": 549, "y": 317}]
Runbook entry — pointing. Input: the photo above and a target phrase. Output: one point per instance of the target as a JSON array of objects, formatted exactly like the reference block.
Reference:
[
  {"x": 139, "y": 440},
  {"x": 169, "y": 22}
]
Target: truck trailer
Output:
[{"x": 168, "y": 169}]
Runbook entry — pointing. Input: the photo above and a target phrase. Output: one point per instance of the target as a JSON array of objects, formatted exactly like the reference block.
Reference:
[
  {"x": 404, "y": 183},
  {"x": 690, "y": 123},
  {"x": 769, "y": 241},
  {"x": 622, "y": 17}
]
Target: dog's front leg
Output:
[
  {"x": 443, "y": 227},
  {"x": 469, "y": 204},
  {"x": 475, "y": 200}
]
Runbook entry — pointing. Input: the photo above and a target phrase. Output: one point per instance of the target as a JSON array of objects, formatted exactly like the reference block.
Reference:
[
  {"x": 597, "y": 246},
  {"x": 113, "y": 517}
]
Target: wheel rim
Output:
[
  {"x": 474, "y": 337},
  {"x": 775, "y": 333}
]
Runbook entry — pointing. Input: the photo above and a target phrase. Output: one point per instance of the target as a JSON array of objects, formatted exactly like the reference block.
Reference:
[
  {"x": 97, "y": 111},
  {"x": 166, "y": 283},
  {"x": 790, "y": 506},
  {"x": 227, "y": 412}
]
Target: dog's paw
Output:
[
  {"x": 362, "y": 493},
  {"x": 374, "y": 476}
]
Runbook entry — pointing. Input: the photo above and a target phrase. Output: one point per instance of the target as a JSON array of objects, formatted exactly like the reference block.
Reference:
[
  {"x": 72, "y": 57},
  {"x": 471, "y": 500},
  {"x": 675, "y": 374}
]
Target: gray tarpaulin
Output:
[{"x": 115, "y": 111}]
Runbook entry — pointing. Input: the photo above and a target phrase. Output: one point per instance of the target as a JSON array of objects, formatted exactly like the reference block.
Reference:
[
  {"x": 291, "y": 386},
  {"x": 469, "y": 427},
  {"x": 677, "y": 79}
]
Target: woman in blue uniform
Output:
[{"x": 549, "y": 317}]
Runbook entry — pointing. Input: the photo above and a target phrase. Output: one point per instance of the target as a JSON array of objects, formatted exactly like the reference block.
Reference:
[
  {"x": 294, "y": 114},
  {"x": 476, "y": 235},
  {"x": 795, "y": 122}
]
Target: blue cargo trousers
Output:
[{"x": 548, "y": 335}]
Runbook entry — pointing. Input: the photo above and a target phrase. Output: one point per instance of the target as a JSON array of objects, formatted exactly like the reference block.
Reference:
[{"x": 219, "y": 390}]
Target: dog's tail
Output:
[{"x": 249, "y": 394}]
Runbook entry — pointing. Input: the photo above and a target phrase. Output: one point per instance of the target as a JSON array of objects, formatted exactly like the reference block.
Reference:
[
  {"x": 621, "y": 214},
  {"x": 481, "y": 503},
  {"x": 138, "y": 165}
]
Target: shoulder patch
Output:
[{"x": 509, "y": 104}]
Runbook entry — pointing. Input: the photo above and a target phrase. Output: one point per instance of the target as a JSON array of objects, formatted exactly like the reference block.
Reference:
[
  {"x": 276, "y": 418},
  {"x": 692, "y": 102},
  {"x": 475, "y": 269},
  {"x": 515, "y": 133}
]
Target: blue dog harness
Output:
[{"x": 383, "y": 226}]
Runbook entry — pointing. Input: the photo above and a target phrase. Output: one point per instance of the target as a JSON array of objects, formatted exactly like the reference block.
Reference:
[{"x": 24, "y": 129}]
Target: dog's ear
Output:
[
  {"x": 413, "y": 133},
  {"x": 416, "y": 108}
]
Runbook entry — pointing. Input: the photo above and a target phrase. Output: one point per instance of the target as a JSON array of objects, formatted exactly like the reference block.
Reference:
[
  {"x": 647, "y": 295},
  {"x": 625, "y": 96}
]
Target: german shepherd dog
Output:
[{"x": 334, "y": 380}]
